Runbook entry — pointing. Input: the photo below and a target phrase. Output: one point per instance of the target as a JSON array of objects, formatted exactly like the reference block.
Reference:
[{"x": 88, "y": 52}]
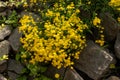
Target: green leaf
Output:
[
  {"x": 17, "y": 57},
  {"x": 22, "y": 78},
  {"x": 24, "y": 70},
  {"x": 42, "y": 69}
]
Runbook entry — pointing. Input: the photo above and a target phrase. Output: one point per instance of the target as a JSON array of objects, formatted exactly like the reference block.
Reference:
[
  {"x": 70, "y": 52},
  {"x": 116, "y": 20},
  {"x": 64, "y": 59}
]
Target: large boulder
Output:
[{"x": 94, "y": 61}]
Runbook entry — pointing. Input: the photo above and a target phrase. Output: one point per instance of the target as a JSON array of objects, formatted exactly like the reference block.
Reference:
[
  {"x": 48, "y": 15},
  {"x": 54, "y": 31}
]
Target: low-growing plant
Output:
[
  {"x": 60, "y": 36},
  {"x": 11, "y": 19}
]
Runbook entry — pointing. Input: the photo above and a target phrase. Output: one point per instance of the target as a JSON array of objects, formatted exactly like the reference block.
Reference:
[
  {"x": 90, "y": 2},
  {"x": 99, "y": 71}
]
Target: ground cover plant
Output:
[{"x": 59, "y": 34}]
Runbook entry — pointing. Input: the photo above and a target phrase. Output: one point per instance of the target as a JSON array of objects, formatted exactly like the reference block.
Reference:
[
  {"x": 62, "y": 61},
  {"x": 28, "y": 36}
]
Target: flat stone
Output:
[
  {"x": 5, "y": 31},
  {"x": 94, "y": 61},
  {"x": 111, "y": 26},
  {"x": 117, "y": 46},
  {"x": 15, "y": 66},
  {"x": 4, "y": 49},
  {"x": 2, "y": 77},
  {"x": 14, "y": 39},
  {"x": 71, "y": 74},
  {"x": 113, "y": 78}
]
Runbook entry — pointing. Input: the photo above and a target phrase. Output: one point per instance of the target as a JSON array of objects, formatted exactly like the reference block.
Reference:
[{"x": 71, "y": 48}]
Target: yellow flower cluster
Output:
[
  {"x": 96, "y": 23},
  {"x": 60, "y": 42},
  {"x": 118, "y": 19},
  {"x": 4, "y": 57},
  {"x": 31, "y": 3},
  {"x": 57, "y": 75},
  {"x": 115, "y": 3}
]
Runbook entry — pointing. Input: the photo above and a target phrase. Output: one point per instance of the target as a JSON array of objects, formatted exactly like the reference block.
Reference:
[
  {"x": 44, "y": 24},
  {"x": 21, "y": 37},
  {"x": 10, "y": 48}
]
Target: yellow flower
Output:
[
  {"x": 101, "y": 42},
  {"x": 112, "y": 66},
  {"x": 5, "y": 56},
  {"x": 118, "y": 19},
  {"x": 96, "y": 21},
  {"x": 3, "y": 25},
  {"x": 24, "y": 56},
  {"x": 25, "y": 4},
  {"x": 57, "y": 75},
  {"x": 115, "y": 3}
]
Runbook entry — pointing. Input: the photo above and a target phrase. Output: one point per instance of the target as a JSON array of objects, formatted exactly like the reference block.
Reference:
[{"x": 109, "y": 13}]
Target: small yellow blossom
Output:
[
  {"x": 101, "y": 42},
  {"x": 24, "y": 56},
  {"x": 3, "y": 25},
  {"x": 57, "y": 75},
  {"x": 25, "y": 4},
  {"x": 96, "y": 21},
  {"x": 118, "y": 19},
  {"x": 112, "y": 66},
  {"x": 5, "y": 56}
]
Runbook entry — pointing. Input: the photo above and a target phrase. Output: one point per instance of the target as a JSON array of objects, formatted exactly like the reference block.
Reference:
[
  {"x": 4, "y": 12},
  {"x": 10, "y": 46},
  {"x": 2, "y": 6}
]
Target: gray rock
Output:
[
  {"x": 71, "y": 74},
  {"x": 117, "y": 46},
  {"x": 14, "y": 39},
  {"x": 3, "y": 5},
  {"x": 3, "y": 67},
  {"x": 51, "y": 71},
  {"x": 4, "y": 49},
  {"x": 111, "y": 26},
  {"x": 15, "y": 66},
  {"x": 94, "y": 61},
  {"x": 2, "y": 77},
  {"x": 113, "y": 78},
  {"x": 3, "y": 14},
  {"x": 5, "y": 31},
  {"x": 12, "y": 75}
]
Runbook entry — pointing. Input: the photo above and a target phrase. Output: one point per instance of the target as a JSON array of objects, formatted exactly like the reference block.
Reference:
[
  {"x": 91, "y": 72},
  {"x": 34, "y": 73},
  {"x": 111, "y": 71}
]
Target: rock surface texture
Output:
[
  {"x": 17, "y": 66},
  {"x": 113, "y": 78},
  {"x": 4, "y": 49},
  {"x": 117, "y": 46},
  {"x": 2, "y": 77},
  {"x": 14, "y": 39},
  {"x": 111, "y": 26},
  {"x": 94, "y": 61},
  {"x": 71, "y": 74},
  {"x": 4, "y": 31}
]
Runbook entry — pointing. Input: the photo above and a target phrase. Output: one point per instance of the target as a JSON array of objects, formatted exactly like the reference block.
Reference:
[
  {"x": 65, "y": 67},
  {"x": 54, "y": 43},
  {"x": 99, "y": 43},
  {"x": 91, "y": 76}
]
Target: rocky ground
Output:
[{"x": 95, "y": 63}]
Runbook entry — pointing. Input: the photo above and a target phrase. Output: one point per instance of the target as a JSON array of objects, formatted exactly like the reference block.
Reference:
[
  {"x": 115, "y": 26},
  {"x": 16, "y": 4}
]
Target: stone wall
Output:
[{"x": 94, "y": 63}]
